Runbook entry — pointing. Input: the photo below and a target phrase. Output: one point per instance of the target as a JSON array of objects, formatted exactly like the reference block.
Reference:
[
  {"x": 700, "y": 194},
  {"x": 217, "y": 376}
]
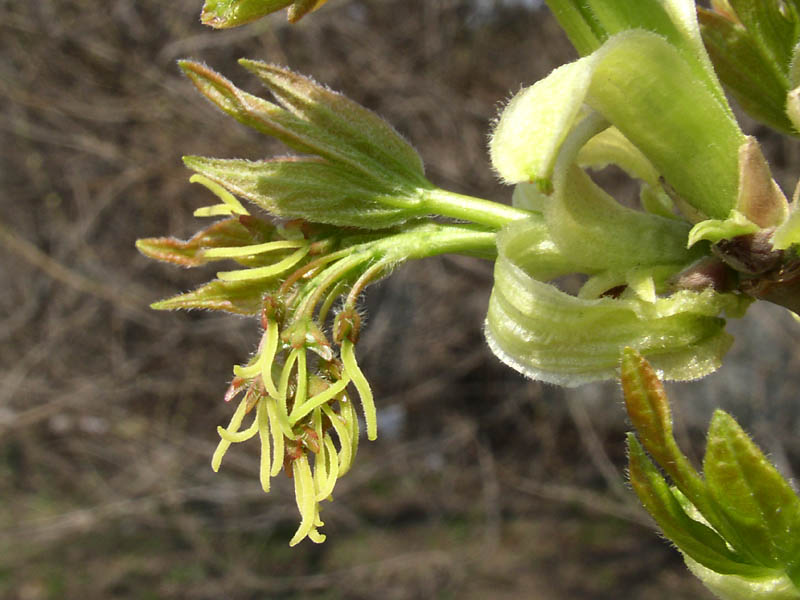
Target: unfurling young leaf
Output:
[
  {"x": 753, "y": 46},
  {"x": 739, "y": 527}
]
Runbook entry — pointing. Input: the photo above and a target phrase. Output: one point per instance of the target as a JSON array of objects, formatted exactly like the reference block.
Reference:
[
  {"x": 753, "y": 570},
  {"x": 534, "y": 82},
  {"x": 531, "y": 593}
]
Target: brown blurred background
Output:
[{"x": 481, "y": 485}]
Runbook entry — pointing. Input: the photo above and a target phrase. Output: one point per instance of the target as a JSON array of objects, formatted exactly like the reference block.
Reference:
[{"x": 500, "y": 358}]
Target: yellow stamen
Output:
[
  {"x": 306, "y": 498},
  {"x": 300, "y": 411},
  {"x": 268, "y": 271},
  {"x": 277, "y": 438},
  {"x": 230, "y": 201},
  {"x": 233, "y": 426},
  {"x": 252, "y": 250},
  {"x": 262, "y": 420},
  {"x": 345, "y": 457},
  {"x": 362, "y": 385},
  {"x": 238, "y": 436},
  {"x": 332, "y": 457},
  {"x": 268, "y": 356}
]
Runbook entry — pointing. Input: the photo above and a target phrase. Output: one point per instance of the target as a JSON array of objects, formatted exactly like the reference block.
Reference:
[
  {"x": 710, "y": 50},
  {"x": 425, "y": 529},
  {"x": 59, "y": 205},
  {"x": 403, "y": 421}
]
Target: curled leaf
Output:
[
  {"x": 643, "y": 86},
  {"x": 547, "y": 334}
]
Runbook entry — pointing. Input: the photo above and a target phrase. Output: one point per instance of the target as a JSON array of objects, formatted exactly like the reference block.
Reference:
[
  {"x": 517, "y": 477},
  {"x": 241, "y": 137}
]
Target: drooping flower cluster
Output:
[
  {"x": 295, "y": 388},
  {"x": 333, "y": 224}
]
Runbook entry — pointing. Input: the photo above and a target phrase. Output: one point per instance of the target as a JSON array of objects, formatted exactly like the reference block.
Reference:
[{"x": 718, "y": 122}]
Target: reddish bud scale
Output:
[
  {"x": 347, "y": 324},
  {"x": 272, "y": 309},
  {"x": 311, "y": 440},
  {"x": 707, "y": 272},
  {"x": 234, "y": 388},
  {"x": 254, "y": 393},
  {"x": 294, "y": 450}
]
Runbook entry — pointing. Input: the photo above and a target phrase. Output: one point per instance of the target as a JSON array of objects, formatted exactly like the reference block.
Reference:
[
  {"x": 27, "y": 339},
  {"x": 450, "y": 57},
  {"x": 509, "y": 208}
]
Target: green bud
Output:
[{"x": 222, "y": 14}]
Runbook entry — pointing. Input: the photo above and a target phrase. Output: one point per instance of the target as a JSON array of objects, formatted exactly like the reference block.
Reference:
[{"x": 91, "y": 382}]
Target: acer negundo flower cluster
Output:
[{"x": 711, "y": 232}]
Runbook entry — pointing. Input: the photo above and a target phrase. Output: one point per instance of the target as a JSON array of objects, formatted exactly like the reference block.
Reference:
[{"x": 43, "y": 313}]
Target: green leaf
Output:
[
  {"x": 641, "y": 85},
  {"x": 751, "y": 493},
  {"x": 189, "y": 253},
  {"x": 579, "y": 23},
  {"x": 757, "y": 83},
  {"x": 312, "y": 189},
  {"x": 351, "y": 123},
  {"x": 692, "y": 537},
  {"x": 327, "y": 131},
  {"x": 239, "y": 297},
  {"x": 232, "y": 13},
  {"x": 773, "y": 25},
  {"x": 301, "y": 8},
  {"x": 222, "y": 14}
]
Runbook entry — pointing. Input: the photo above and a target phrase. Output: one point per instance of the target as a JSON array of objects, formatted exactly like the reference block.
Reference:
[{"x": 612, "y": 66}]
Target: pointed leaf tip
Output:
[
  {"x": 646, "y": 402},
  {"x": 352, "y": 124},
  {"x": 752, "y": 493},
  {"x": 648, "y": 408}
]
